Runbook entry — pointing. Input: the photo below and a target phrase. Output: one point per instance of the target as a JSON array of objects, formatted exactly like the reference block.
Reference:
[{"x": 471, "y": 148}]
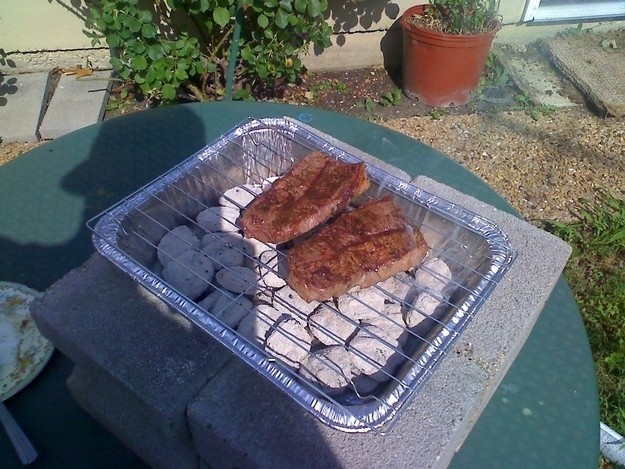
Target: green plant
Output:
[
  {"x": 391, "y": 98},
  {"x": 175, "y": 47},
  {"x": 601, "y": 227},
  {"x": 577, "y": 31},
  {"x": 535, "y": 111},
  {"x": 117, "y": 101},
  {"x": 494, "y": 74},
  {"x": 367, "y": 104},
  {"x": 327, "y": 85},
  {"x": 596, "y": 274},
  {"x": 464, "y": 16},
  {"x": 437, "y": 113}
]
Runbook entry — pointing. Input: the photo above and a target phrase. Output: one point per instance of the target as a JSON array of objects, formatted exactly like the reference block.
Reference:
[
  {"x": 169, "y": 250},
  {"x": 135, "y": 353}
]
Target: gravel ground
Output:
[
  {"x": 10, "y": 151},
  {"x": 542, "y": 167}
]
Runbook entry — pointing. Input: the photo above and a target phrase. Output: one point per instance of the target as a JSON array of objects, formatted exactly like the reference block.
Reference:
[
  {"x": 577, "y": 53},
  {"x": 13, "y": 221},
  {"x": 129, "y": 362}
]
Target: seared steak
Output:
[
  {"x": 315, "y": 189},
  {"x": 360, "y": 248}
]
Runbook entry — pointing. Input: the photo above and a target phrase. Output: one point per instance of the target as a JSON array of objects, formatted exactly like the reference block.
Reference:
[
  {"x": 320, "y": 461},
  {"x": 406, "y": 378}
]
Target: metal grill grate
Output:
[{"x": 353, "y": 361}]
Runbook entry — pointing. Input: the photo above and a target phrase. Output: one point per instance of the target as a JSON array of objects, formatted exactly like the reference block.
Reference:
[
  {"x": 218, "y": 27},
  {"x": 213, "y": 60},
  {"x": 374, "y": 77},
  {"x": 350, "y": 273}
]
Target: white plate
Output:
[{"x": 33, "y": 351}]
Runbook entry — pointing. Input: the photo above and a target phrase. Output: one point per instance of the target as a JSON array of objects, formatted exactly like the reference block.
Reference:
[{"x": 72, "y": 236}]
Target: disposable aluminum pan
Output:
[{"x": 425, "y": 318}]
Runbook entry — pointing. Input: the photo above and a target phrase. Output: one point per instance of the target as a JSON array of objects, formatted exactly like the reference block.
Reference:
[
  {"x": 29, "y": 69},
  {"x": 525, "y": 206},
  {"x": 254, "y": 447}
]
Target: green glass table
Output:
[{"x": 49, "y": 193}]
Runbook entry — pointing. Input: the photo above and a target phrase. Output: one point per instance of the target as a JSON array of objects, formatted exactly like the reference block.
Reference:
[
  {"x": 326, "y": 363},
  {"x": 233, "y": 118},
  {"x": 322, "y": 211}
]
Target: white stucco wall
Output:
[
  {"x": 41, "y": 25},
  {"x": 46, "y": 33}
]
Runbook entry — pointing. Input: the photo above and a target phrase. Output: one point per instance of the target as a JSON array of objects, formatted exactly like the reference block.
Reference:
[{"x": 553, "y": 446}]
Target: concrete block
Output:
[
  {"x": 22, "y": 99},
  {"x": 103, "y": 320},
  {"x": 127, "y": 416},
  {"x": 239, "y": 419},
  {"x": 75, "y": 104},
  {"x": 100, "y": 318},
  {"x": 242, "y": 420}
]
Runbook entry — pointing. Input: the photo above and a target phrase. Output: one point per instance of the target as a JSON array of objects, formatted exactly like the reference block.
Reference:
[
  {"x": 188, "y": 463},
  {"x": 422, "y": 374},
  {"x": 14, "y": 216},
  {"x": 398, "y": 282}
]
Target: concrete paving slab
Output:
[
  {"x": 22, "y": 99},
  {"x": 75, "y": 104},
  {"x": 535, "y": 76},
  {"x": 595, "y": 64}
]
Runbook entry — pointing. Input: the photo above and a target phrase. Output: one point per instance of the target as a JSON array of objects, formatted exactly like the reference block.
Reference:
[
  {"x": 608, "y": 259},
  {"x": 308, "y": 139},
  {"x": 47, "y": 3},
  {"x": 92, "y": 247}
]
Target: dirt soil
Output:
[{"x": 541, "y": 162}]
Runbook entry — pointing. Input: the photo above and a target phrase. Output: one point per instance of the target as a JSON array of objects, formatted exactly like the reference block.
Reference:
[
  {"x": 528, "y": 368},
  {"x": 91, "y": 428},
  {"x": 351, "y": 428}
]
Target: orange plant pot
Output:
[{"x": 441, "y": 69}]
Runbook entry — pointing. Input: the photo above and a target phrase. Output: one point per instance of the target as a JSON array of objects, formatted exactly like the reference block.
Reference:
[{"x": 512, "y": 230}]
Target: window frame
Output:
[{"x": 578, "y": 11}]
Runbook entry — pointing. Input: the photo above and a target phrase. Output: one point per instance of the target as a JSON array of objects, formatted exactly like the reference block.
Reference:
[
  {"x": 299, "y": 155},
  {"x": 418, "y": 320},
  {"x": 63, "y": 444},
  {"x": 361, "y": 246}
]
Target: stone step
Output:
[
  {"x": 75, "y": 104},
  {"x": 27, "y": 116}
]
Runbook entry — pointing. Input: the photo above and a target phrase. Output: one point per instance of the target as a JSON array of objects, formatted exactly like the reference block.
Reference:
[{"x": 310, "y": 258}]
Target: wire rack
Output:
[{"x": 353, "y": 361}]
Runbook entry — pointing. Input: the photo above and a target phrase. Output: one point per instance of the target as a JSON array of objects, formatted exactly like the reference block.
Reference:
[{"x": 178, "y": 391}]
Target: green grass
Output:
[{"x": 596, "y": 274}]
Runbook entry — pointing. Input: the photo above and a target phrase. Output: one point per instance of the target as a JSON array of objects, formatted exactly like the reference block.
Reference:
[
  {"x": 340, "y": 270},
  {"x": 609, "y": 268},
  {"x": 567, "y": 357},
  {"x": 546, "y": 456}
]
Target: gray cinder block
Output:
[
  {"x": 185, "y": 386},
  {"x": 128, "y": 417},
  {"x": 103, "y": 320},
  {"x": 254, "y": 425}
]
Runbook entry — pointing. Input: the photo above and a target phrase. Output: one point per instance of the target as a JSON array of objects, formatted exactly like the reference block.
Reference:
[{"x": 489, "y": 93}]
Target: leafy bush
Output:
[
  {"x": 176, "y": 47},
  {"x": 464, "y": 16},
  {"x": 596, "y": 274}
]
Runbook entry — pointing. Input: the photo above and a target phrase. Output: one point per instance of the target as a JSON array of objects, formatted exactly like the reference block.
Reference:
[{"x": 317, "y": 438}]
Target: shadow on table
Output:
[{"x": 48, "y": 195}]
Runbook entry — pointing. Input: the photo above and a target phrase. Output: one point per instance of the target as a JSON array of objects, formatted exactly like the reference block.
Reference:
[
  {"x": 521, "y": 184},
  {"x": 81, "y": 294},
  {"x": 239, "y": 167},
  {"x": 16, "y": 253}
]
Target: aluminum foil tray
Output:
[{"x": 404, "y": 326}]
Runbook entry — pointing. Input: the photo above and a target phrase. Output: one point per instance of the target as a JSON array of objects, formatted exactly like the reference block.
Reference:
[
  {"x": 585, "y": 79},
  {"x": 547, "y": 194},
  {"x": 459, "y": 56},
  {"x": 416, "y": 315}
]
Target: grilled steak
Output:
[
  {"x": 360, "y": 248},
  {"x": 315, "y": 189}
]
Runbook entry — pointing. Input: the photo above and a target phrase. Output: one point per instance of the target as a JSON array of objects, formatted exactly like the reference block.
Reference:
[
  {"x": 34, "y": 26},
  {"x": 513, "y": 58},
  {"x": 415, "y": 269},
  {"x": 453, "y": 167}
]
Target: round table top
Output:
[{"x": 49, "y": 193}]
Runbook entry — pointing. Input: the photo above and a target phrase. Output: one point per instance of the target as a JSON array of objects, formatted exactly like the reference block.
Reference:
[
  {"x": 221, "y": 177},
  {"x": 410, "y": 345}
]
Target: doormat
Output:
[{"x": 595, "y": 64}]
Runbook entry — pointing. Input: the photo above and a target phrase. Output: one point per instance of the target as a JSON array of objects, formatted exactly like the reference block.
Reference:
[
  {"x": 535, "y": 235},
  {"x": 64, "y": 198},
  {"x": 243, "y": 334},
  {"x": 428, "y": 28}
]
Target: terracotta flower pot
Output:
[{"x": 441, "y": 69}]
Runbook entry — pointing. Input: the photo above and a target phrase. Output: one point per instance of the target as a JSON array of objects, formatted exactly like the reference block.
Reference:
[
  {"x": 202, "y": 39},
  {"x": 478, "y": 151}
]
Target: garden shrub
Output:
[{"x": 174, "y": 48}]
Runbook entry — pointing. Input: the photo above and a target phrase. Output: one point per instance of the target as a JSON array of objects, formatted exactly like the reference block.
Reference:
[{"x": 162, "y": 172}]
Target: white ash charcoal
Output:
[
  {"x": 220, "y": 240},
  {"x": 258, "y": 322},
  {"x": 287, "y": 300},
  {"x": 227, "y": 307},
  {"x": 218, "y": 219},
  {"x": 224, "y": 256},
  {"x": 290, "y": 341},
  {"x": 266, "y": 184},
  {"x": 329, "y": 367},
  {"x": 174, "y": 243},
  {"x": 391, "y": 326},
  {"x": 238, "y": 279},
  {"x": 369, "y": 356},
  {"x": 397, "y": 288},
  {"x": 267, "y": 269},
  {"x": 392, "y": 308},
  {"x": 387, "y": 371},
  {"x": 433, "y": 276},
  {"x": 189, "y": 273},
  {"x": 240, "y": 196},
  {"x": 376, "y": 332},
  {"x": 329, "y": 327},
  {"x": 254, "y": 248},
  {"x": 423, "y": 306},
  {"x": 264, "y": 295},
  {"x": 364, "y": 385},
  {"x": 361, "y": 304}
]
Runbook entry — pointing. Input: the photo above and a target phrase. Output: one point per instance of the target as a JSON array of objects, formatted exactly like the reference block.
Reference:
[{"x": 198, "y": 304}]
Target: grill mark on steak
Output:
[
  {"x": 359, "y": 248},
  {"x": 314, "y": 190}
]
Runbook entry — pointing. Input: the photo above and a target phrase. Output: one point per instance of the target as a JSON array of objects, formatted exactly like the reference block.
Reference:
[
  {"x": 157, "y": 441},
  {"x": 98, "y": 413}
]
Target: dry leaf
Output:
[{"x": 79, "y": 71}]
